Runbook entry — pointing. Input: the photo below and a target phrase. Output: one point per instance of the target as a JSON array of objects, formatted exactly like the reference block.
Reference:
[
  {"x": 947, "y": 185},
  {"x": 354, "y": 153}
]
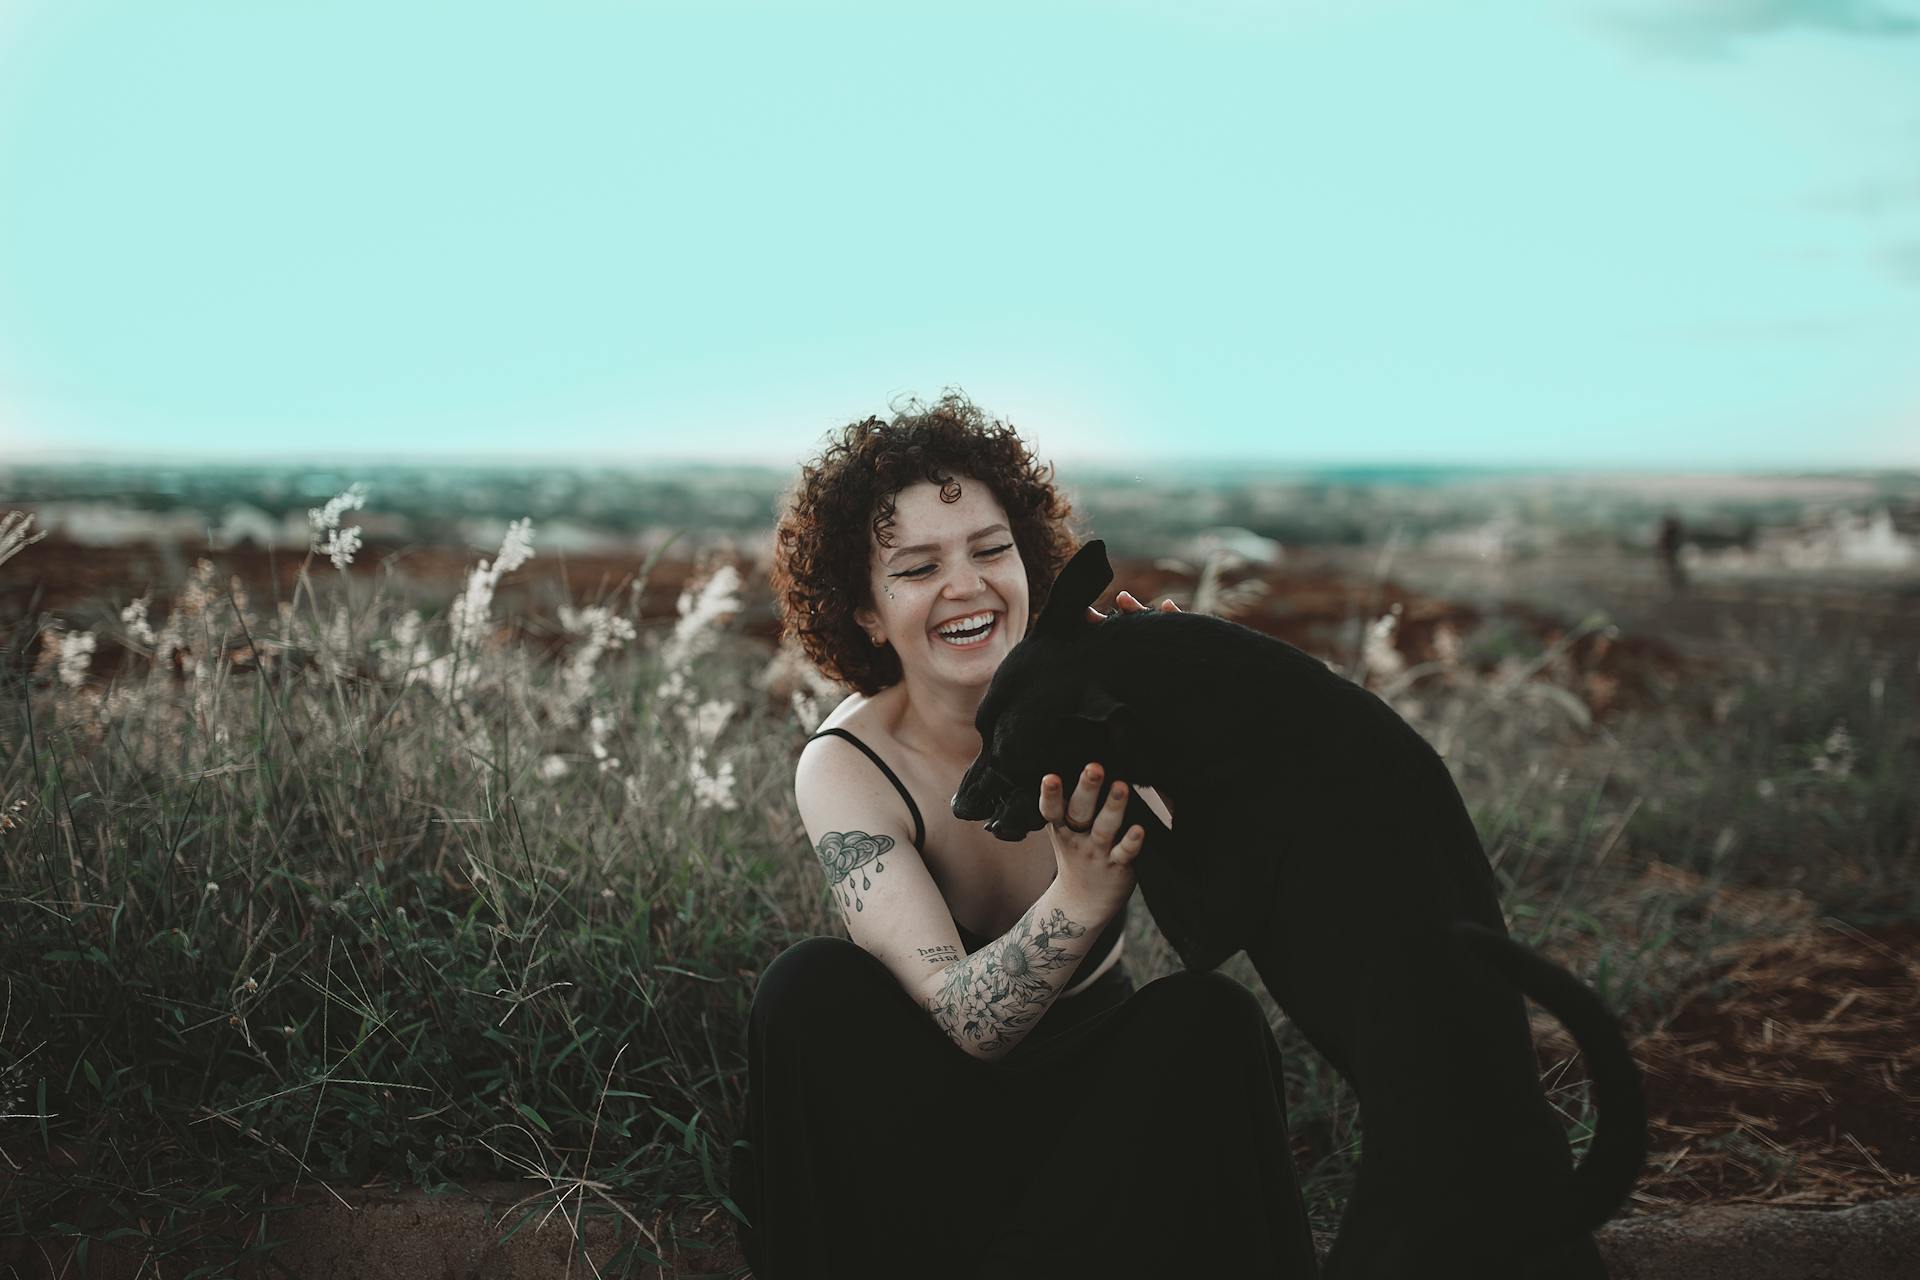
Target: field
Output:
[{"x": 425, "y": 873}]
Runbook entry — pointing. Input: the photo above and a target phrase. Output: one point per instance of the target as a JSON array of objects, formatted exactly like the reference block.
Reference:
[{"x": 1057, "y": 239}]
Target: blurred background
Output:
[{"x": 1632, "y": 283}]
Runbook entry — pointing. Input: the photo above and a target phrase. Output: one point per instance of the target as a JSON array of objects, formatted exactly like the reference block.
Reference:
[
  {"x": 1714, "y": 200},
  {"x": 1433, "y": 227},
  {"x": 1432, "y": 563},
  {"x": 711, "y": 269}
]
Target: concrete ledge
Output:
[{"x": 1876, "y": 1241}]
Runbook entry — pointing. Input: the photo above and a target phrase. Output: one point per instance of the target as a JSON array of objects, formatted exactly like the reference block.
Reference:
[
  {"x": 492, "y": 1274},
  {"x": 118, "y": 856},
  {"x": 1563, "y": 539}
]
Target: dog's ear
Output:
[
  {"x": 1078, "y": 586},
  {"x": 1116, "y": 717}
]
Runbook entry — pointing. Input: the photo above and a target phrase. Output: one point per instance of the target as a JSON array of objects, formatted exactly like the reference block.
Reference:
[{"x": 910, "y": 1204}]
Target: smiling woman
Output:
[{"x": 920, "y": 1059}]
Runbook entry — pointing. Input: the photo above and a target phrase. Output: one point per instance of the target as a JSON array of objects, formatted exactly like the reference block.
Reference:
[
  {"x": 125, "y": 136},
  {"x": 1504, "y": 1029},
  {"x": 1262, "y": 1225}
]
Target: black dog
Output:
[{"x": 1320, "y": 832}]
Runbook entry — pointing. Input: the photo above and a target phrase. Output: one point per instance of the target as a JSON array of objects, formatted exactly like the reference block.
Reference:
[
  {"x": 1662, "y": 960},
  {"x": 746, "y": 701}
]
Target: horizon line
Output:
[{"x": 1104, "y": 462}]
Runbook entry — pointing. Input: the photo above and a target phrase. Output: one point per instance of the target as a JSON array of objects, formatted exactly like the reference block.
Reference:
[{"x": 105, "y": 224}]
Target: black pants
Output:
[{"x": 1142, "y": 1134}]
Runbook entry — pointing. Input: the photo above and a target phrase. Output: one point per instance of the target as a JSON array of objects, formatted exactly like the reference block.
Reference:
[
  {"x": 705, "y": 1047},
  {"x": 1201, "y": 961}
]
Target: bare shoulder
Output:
[
  {"x": 830, "y": 761},
  {"x": 863, "y": 836}
]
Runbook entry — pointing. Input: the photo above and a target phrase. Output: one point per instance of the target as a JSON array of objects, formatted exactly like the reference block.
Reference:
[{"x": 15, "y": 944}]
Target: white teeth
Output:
[
  {"x": 965, "y": 624},
  {"x": 981, "y": 619}
]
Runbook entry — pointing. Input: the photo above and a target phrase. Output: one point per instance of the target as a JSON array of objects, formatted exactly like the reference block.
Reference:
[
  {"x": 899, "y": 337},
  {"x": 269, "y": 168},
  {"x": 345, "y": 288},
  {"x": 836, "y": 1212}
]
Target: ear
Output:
[
  {"x": 1078, "y": 586},
  {"x": 1119, "y": 719}
]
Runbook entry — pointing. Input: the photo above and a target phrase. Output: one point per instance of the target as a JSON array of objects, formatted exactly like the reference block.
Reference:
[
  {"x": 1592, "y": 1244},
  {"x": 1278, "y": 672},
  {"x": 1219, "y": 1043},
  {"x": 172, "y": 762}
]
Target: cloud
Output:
[{"x": 1707, "y": 28}]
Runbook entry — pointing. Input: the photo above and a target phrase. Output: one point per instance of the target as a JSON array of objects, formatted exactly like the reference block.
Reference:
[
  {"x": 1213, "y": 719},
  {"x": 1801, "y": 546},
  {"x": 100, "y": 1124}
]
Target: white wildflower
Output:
[
  {"x": 337, "y": 645},
  {"x": 808, "y": 711},
  {"x": 134, "y": 618},
  {"x": 198, "y": 592},
  {"x": 552, "y": 768},
  {"x": 692, "y": 634},
  {"x": 1377, "y": 655},
  {"x": 1446, "y": 645},
  {"x": 603, "y": 630},
  {"x": 341, "y": 544},
  {"x": 711, "y": 790},
  {"x": 1836, "y": 753},
  {"x": 516, "y": 548},
  {"x": 597, "y": 730},
  {"x": 76, "y": 655},
  {"x": 404, "y": 653},
  {"x": 328, "y": 517},
  {"x": 471, "y": 611},
  {"x": 470, "y": 617},
  {"x": 13, "y": 534}
]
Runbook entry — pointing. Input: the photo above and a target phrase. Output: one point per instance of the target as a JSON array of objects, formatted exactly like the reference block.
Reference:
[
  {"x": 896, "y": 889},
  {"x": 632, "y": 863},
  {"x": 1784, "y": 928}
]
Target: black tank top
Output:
[{"x": 971, "y": 940}]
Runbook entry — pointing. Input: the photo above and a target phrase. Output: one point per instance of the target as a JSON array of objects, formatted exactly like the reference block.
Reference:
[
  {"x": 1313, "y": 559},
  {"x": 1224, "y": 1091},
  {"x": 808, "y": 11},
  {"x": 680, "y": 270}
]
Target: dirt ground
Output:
[{"x": 382, "y": 1235}]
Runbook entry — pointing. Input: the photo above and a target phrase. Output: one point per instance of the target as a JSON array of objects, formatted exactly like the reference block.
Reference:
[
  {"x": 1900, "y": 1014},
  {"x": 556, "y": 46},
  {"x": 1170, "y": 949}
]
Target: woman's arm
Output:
[{"x": 989, "y": 1001}]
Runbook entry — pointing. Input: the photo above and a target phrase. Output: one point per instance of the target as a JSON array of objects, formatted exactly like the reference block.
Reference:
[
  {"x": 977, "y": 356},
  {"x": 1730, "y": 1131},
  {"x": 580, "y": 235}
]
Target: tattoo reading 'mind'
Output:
[
  {"x": 938, "y": 955},
  {"x": 844, "y": 852},
  {"x": 1002, "y": 988}
]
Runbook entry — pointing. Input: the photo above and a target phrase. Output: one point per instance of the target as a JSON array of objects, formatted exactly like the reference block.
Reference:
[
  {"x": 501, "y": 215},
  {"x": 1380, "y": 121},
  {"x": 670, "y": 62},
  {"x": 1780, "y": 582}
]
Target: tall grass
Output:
[
  {"x": 330, "y": 894},
  {"x": 359, "y": 888}
]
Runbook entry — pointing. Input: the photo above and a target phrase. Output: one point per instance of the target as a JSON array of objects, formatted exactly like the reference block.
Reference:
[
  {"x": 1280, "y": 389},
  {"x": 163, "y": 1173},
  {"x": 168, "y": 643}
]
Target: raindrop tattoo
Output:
[{"x": 842, "y": 853}]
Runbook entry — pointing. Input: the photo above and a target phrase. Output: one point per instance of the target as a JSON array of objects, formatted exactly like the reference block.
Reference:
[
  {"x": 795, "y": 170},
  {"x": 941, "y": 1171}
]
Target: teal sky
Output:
[{"x": 1485, "y": 231}]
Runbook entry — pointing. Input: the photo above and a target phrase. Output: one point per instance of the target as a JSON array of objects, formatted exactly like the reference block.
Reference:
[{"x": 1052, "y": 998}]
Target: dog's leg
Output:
[{"x": 1460, "y": 1150}]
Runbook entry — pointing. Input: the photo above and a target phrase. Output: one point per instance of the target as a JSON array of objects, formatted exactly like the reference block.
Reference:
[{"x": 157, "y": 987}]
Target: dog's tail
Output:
[{"x": 1619, "y": 1148}]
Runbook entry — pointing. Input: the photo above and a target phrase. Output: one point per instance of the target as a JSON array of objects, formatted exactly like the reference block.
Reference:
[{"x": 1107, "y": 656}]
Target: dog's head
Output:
[{"x": 1045, "y": 712}]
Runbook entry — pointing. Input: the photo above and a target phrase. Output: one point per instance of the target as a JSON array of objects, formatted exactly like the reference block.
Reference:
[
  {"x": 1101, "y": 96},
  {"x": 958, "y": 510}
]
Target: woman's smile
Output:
[{"x": 969, "y": 632}]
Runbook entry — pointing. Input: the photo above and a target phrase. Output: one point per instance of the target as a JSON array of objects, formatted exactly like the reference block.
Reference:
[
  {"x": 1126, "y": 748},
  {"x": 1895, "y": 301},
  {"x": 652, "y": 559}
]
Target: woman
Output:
[{"x": 970, "y": 1085}]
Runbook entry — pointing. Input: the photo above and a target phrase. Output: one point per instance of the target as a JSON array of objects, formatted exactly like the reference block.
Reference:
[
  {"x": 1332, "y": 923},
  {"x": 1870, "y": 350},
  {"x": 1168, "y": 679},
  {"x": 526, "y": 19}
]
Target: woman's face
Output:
[{"x": 950, "y": 562}]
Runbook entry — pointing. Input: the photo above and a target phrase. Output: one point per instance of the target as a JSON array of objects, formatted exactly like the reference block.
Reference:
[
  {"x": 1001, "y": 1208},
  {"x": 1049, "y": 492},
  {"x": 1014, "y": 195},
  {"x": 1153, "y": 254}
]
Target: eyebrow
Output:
[{"x": 934, "y": 546}]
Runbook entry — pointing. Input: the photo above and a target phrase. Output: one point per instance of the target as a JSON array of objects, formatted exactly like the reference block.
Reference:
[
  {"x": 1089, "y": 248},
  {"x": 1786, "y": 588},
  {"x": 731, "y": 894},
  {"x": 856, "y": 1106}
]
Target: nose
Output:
[{"x": 953, "y": 592}]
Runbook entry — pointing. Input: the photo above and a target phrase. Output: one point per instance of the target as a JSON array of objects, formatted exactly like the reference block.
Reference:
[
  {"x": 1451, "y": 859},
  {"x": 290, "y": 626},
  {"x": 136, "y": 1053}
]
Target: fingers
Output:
[
  {"x": 1077, "y": 812},
  {"x": 1079, "y": 816},
  {"x": 1129, "y": 603},
  {"x": 1080, "y": 808}
]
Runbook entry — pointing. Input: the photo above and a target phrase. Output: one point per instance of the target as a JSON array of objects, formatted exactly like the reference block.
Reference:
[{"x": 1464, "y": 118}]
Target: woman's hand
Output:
[
  {"x": 1096, "y": 870},
  {"x": 1126, "y": 603}
]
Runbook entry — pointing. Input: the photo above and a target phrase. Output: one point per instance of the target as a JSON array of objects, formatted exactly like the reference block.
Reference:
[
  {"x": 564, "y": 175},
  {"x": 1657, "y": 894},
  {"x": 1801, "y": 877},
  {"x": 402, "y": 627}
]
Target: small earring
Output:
[{"x": 877, "y": 641}]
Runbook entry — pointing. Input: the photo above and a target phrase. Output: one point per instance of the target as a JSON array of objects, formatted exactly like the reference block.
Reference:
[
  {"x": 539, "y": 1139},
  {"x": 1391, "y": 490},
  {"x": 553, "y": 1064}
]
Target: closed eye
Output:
[{"x": 987, "y": 553}]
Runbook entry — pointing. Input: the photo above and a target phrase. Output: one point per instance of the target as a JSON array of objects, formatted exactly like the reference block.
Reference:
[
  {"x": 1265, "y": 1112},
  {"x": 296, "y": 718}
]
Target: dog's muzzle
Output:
[{"x": 988, "y": 795}]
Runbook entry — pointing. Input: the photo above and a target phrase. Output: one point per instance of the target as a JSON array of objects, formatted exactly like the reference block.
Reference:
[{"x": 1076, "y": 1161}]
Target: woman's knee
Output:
[
  {"x": 1205, "y": 1001},
  {"x": 817, "y": 976}
]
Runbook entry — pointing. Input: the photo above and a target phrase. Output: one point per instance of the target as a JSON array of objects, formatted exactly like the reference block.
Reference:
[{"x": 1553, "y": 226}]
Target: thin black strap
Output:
[{"x": 919, "y": 827}]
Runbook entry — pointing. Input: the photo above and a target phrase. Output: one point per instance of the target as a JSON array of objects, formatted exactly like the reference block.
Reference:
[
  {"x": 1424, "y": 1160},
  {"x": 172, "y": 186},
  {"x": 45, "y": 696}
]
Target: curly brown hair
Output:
[{"x": 820, "y": 559}]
